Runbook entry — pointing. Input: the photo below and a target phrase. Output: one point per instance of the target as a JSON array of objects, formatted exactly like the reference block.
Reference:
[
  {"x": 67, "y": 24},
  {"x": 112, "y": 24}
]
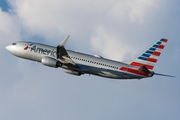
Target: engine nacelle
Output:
[
  {"x": 51, "y": 62},
  {"x": 72, "y": 72}
]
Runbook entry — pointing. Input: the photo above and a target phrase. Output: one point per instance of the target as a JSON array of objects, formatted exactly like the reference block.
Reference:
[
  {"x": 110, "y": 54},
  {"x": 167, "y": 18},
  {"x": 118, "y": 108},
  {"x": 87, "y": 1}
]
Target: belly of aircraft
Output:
[{"x": 105, "y": 73}]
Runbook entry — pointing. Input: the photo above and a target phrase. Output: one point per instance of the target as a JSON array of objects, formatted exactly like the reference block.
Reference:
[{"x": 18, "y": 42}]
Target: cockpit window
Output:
[{"x": 14, "y": 44}]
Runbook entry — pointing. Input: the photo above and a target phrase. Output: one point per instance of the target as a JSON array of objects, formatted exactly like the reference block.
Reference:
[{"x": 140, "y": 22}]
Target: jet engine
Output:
[
  {"x": 51, "y": 62},
  {"x": 72, "y": 72}
]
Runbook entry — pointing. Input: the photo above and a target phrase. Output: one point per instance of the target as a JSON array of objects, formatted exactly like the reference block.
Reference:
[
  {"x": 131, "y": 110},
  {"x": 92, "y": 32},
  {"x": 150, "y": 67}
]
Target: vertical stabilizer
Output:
[{"x": 150, "y": 57}]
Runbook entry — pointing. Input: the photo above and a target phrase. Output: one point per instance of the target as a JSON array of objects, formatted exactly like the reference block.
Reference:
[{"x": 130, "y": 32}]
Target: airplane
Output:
[{"x": 77, "y": 63}]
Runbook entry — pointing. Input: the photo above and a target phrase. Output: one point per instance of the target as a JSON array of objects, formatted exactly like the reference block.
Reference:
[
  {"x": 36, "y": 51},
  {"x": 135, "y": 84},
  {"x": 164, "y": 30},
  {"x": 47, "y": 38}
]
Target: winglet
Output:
[{"x": 62, "y": 44}]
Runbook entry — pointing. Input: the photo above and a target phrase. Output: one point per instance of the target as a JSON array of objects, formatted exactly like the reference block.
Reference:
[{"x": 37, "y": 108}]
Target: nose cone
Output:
[
  {"x": 11, "y": 49},
  {"x": 15, "y": 50},
  {"x": 8, "y": 48}
]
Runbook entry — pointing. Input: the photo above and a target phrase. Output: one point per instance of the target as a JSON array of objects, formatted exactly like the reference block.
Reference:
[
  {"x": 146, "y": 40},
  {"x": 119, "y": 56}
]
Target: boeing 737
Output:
[{"x": 77, "y": 63}]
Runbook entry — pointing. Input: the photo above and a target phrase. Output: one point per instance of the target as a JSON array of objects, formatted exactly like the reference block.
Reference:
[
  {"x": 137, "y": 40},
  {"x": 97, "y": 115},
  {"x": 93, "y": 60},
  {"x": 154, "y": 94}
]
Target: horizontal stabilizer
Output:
[{"x": 163, "y": 75}]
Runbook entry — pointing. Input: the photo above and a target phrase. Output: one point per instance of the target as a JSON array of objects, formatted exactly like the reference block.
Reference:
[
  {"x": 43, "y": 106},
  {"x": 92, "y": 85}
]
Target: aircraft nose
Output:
[
  {"x": 8, "y": 48},
  {"x": 14, "y": 49}
]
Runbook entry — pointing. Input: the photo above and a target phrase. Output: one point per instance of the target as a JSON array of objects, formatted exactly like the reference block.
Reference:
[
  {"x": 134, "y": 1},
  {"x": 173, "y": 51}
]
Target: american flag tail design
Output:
[{"x": 150, "y": 57}]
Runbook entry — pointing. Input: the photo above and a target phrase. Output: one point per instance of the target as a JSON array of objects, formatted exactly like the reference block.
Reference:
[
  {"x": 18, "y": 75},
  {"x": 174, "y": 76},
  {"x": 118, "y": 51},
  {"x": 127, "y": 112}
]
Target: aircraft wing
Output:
[{"x": 63, "y": 56}]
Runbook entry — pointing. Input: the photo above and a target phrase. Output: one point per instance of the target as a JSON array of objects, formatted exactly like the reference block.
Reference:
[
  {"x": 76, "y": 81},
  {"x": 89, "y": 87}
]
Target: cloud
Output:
[
  {"x": 134, "y": 10},
  {"x": 55, "y": 19},
  {"x": 118, "y": 30},
  {"x": 112, "y": 46},
  {"x": 9, "y": 33},
  {"x": 9, "y": 28}
]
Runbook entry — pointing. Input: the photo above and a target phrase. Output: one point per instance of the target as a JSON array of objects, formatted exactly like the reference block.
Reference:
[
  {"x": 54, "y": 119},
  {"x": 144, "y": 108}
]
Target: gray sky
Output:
[{"x": 117, "y": 29}]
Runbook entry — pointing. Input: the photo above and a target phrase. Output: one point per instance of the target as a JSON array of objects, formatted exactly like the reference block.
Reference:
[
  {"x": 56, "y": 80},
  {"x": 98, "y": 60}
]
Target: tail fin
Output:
[{"x": 150, "y": 57}]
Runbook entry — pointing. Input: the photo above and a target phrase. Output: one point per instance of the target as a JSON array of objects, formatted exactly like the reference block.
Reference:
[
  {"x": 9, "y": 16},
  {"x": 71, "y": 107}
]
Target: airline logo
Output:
[
  {"x": 28, "y": 46},
  {"x": 150, "y": 57},
  {"x": 41, "y": 50}
]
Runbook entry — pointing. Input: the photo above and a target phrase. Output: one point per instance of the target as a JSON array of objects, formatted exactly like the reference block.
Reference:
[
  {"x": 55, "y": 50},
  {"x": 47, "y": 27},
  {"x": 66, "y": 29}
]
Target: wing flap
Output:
[{"x": 63, "y": 56}]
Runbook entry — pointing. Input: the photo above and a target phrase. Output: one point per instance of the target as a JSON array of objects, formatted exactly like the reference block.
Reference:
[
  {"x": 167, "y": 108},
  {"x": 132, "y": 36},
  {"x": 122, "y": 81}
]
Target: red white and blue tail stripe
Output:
[{"x": 150, "y": 57}]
